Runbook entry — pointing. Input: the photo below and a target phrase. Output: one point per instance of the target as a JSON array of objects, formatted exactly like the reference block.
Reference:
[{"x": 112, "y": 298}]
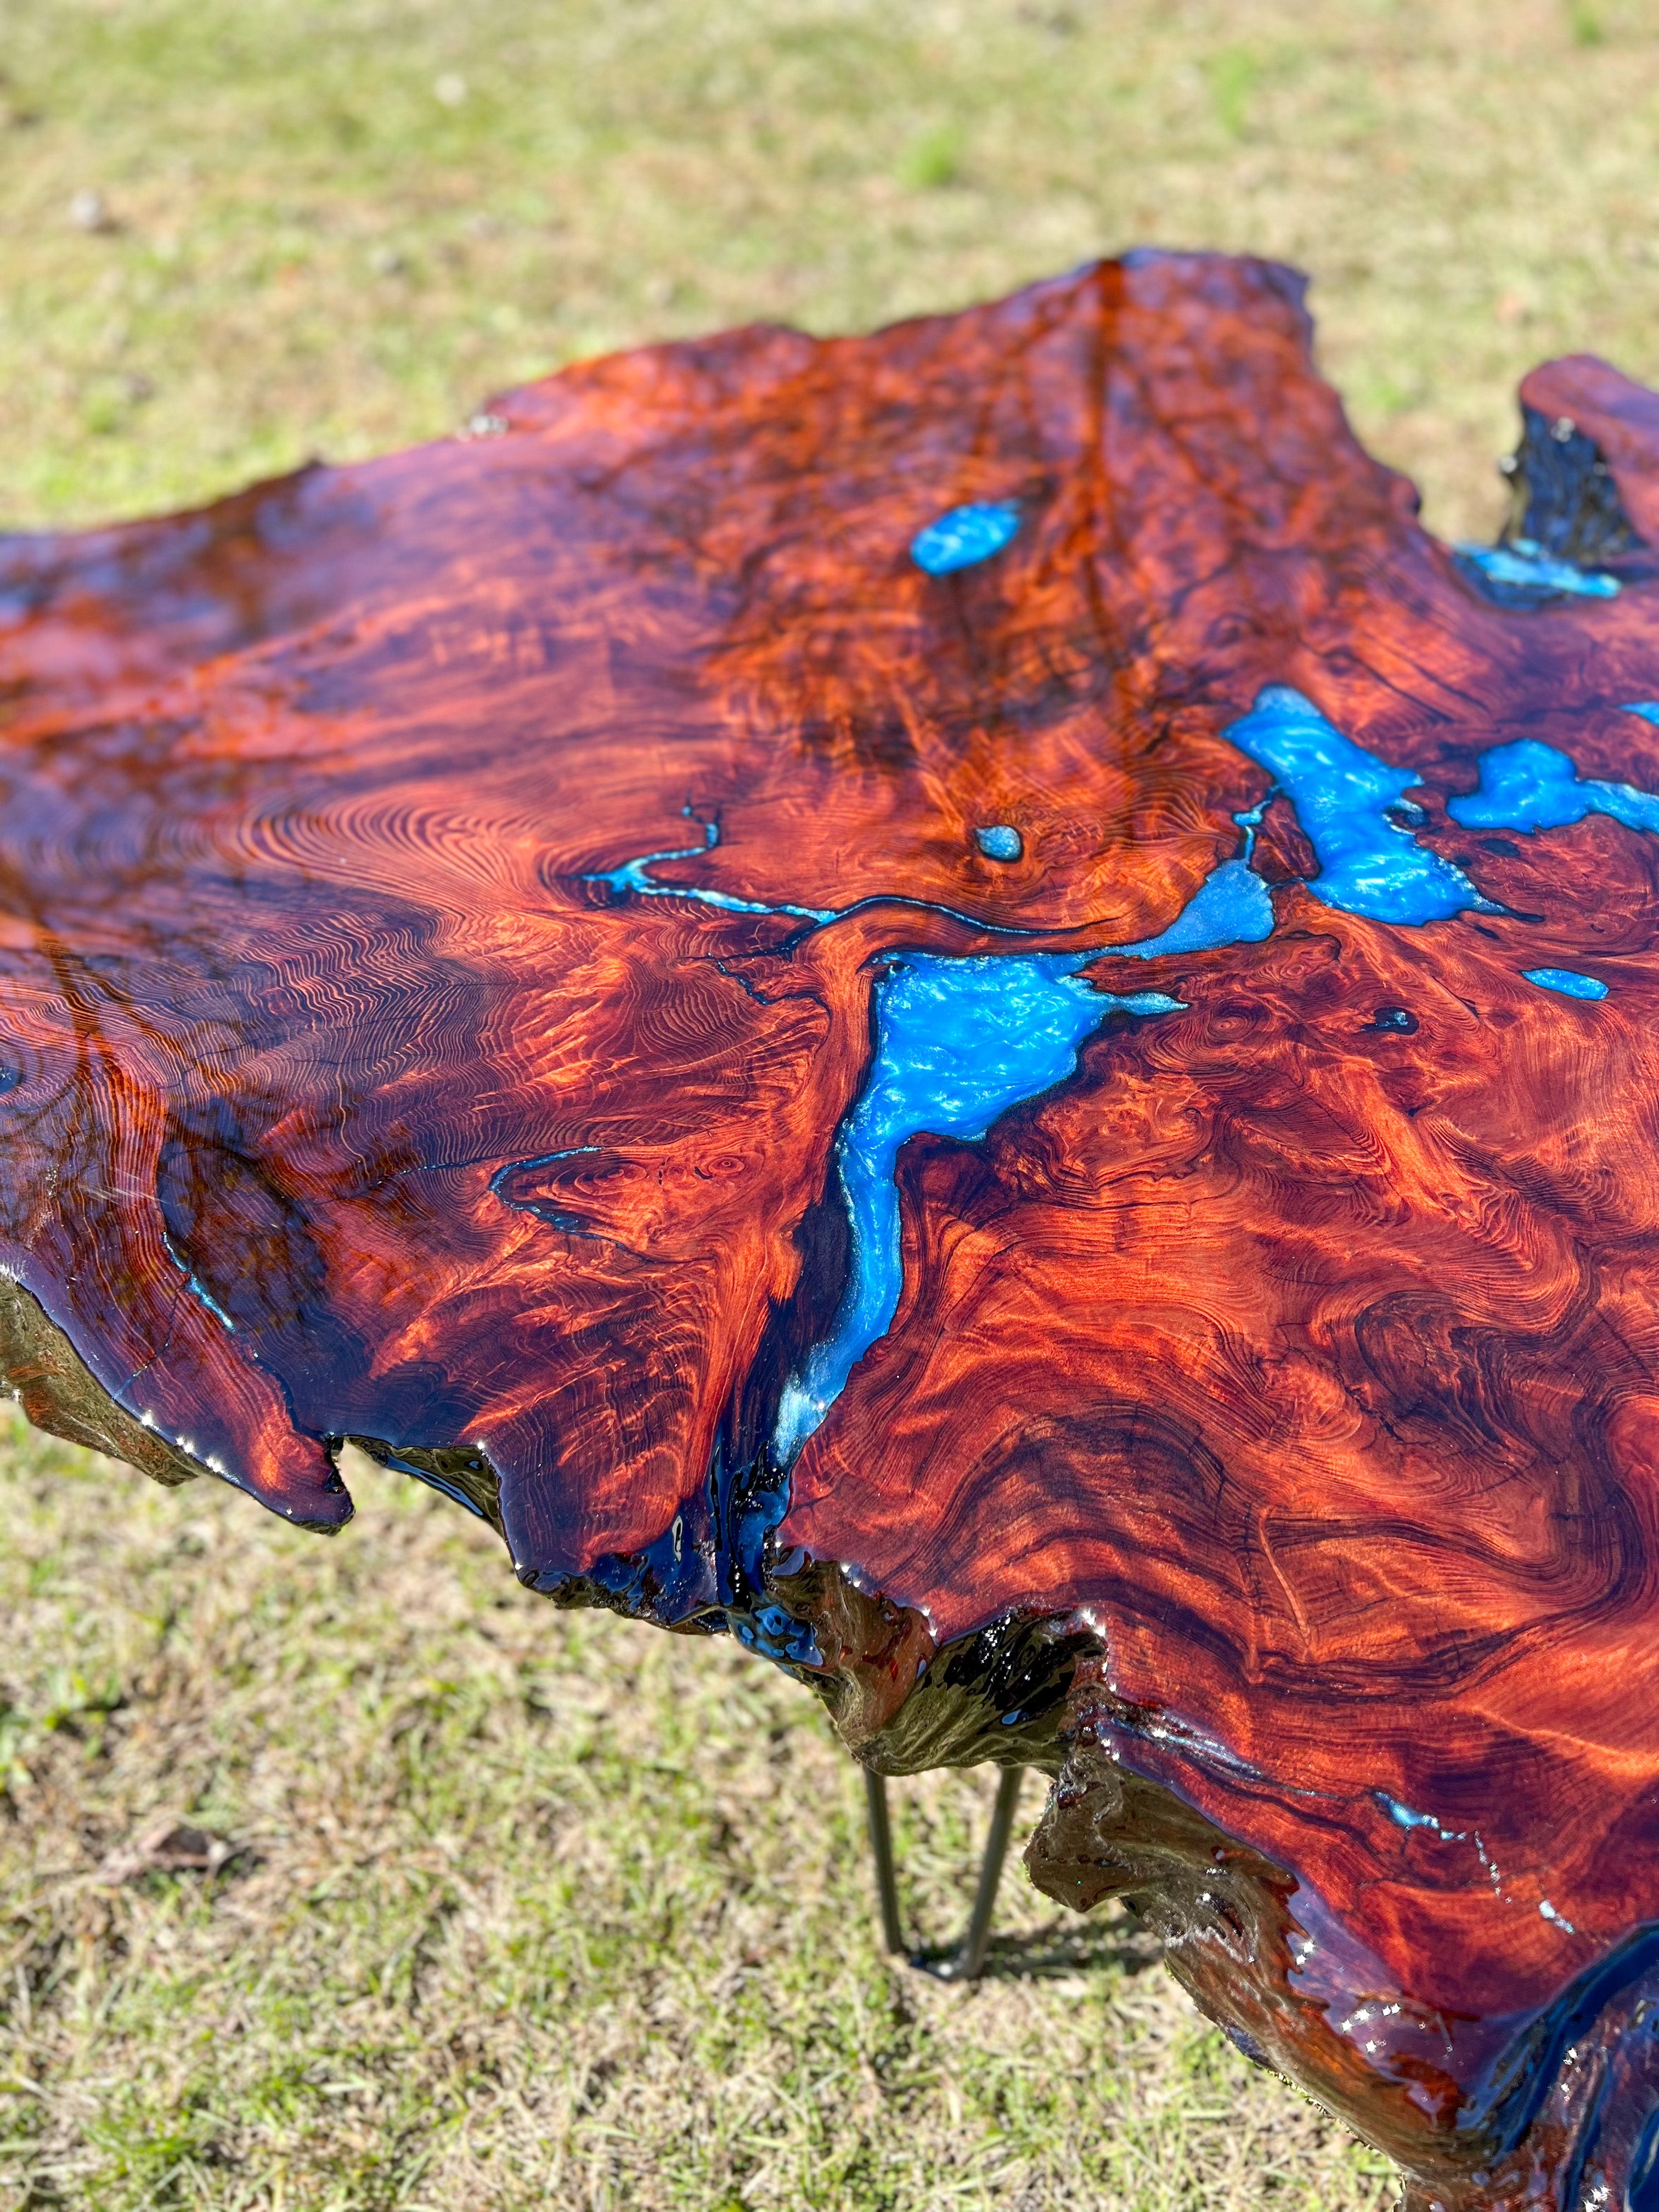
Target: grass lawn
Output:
[
  {"x": 531, "y": 1909},
  {"x": 525, "y": 1908}
]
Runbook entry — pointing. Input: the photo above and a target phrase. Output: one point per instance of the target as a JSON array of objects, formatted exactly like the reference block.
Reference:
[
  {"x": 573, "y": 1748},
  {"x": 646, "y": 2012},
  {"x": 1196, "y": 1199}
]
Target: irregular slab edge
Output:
[{"x": 59, "y": 1393}]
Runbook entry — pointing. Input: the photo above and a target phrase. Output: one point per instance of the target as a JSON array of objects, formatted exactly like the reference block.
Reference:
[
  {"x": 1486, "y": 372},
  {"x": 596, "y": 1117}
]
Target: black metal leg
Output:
[
  {"x": 969, "y": 1963},
  {"x": 881, "y": 1843}
]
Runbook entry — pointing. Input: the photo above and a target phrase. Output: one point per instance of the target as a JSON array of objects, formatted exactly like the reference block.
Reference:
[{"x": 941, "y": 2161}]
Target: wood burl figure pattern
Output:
[{"x": 950, "y": 1001}]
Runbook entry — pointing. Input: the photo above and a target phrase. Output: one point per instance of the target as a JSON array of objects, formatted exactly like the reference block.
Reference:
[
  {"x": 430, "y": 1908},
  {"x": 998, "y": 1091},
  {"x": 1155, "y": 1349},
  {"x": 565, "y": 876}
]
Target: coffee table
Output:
[{"x": 952, "y": 1002}]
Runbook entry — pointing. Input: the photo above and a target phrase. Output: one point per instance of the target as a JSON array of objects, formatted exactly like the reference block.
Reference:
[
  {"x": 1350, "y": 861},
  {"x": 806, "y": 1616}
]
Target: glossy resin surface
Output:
[{"x": 948, "y": 1000}]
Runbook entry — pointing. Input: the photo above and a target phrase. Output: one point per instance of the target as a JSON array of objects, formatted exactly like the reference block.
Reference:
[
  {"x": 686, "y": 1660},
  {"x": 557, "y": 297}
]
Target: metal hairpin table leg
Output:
[
  {"x": 969, "y": 1963},
  {"x": 881, "y": 1843}
]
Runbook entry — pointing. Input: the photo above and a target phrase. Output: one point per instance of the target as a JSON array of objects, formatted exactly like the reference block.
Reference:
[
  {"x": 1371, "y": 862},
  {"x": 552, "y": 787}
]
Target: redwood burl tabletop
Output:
[{"x": 951, "y": 1000}]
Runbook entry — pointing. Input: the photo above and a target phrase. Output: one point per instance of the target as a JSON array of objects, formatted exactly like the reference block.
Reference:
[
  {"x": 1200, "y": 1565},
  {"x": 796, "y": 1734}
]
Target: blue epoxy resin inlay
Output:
[
  {"x": 1524, "y": 573},
  {"x": 556, "y": 1219},
  {"x": 1231, "y": 907},
  {"x": 958, "y": 1041},
  {"x": 197, "y": 1289},
  {"x": 1532, "y": 785},
  {"x": 1567, "y": 981},
  {"x": 1000, "y": 841},
  {"x": 964, "y": 536},
  {"x": 1647, "y": 708},
  {"x": 1403, "y": 1816},
  {"x": 1344, "y": 798},
  {"x": 635, "y": 876}
]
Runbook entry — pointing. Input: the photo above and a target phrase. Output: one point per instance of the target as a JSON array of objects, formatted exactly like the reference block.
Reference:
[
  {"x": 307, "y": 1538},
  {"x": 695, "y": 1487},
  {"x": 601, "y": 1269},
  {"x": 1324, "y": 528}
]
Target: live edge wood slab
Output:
[{"x": 948, "y": 1000}]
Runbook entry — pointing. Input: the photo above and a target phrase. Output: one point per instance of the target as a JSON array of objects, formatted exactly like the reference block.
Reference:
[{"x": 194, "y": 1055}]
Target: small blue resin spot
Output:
[
  {"x": 1523, "y": 568},
  {"x": 1648, "y": 708},
  {"x": 1404, "y": 1817},
  {"x": 1344, "y": 797},
  {"x": 958, "y": 1041},
  {"x": 965, "y": 535},
  {"x": 1531, "y": 786},
  {"x": 1001, "y": 842},
  {"x": 1567, "y": 981}
]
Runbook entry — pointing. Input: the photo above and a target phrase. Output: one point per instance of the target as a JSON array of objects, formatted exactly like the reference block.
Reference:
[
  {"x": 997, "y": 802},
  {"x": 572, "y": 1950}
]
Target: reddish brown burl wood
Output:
[{"x": 1052, "y": 1120}]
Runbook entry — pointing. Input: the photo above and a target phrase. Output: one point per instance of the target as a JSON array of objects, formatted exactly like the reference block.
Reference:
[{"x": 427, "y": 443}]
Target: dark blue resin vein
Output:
[
  {"x": 635, "y": 876},
  {"x": 555, "y": 1216},
  {"x": 197, "y": 1288}
]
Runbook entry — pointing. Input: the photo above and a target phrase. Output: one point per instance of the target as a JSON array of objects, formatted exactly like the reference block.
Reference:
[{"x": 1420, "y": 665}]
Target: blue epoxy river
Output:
[
  {"x": 1530, "y": 785},
  {"x": 1344, "y": 799},
  {"x": 1231, "y": 907},
  {"x": 958, "y": 1041}
]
